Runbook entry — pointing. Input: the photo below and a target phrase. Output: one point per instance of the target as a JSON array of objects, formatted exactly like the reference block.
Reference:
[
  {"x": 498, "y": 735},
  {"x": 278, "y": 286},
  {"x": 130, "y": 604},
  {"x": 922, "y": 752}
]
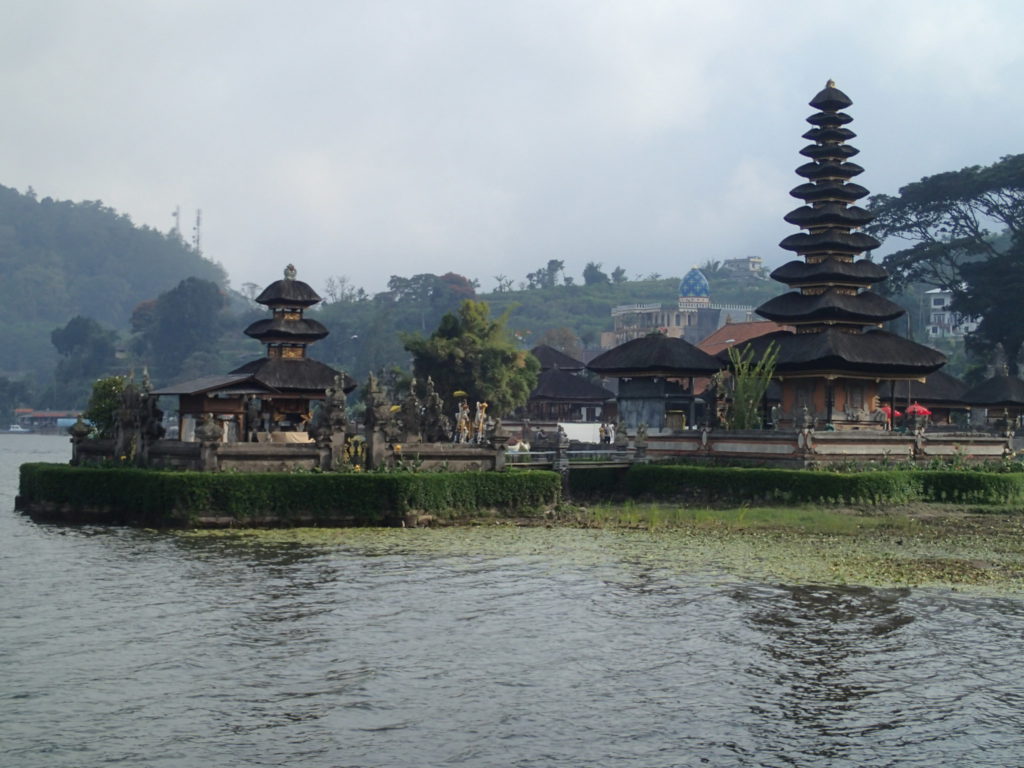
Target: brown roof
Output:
[{"x": 731, "y": 334}]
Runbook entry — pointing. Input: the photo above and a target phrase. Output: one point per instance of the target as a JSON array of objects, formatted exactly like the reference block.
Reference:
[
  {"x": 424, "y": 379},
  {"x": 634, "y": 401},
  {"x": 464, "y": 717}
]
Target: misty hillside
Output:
[{"x": 60, "y": 259}]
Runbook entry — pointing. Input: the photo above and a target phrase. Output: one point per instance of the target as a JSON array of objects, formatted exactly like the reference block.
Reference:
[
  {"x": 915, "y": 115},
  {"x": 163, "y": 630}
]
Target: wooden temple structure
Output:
[
  {"x": 832, "y": 364},
  {"x": 267, "y": 399},
  {"x": 656, "y": 376}
]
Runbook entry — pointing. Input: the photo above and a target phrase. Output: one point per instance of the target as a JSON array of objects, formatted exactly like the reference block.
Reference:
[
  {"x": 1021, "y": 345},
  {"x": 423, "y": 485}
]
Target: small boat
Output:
[{"x": 17, "y": 429}]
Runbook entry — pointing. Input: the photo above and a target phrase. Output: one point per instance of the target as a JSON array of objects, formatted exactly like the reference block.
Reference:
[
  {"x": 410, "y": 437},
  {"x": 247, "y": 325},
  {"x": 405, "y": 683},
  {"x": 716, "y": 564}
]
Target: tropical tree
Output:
[
  {"x": 471, "y": 352},
  {"x": 966, "y": 231},
  {"x": 992, "y": 291},
  {"x": 593, "y": 275},
  {"x": 750, "y": 380},
  {"x": 104, "y": 403},
  {"x": 951, "y": 219},
  {"x": 87, "y": 351},
  {"x": 564, "y": 340},
  {"x": 182, "y": 321}
]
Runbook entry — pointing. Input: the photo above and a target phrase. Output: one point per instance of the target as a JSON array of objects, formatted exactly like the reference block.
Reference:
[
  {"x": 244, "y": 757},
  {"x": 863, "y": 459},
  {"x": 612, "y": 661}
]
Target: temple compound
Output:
[{"x": 832, "y": 365}]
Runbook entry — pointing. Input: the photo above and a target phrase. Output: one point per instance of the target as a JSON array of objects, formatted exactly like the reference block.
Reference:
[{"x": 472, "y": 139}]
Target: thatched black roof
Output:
[
  {"x": 862, "y": 272},
  {"x": 829, "y": 190},
  {"x": 655, "y": 355},
  {"x": 556, "y": 384},
  {"x": 834, "y": 351},
  {"x": 231, "y": 383},
  {"x": 865, "y": 308},
  {"x": 830, "y": 213},
  {"x": 550, "y": 357},
  {"x": 830, "y": 240},
  {"x": 938, "y": 389},
  {"x": 830, "y": 99},
  {"x": 279, "y": 328},
  {"x": 999, "y": 391},
  {"x": 814, "y": 171},
  {"x": 832, "y": 120},
  {"x": 288, "y": 293},
  {"x": 304, "y": 374},
  {"x": 829, "y": 151}
]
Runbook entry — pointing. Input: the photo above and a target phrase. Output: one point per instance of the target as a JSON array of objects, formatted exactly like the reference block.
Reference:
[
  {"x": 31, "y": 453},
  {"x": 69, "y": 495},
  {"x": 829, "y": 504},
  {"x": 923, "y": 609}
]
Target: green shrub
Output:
[
  {"x": 705, "y": 485},
  {"x": 163, "y": 498}
]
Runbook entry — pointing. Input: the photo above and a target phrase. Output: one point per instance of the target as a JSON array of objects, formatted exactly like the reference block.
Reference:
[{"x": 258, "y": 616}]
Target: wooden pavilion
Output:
[{"x": 656, "y": 380}]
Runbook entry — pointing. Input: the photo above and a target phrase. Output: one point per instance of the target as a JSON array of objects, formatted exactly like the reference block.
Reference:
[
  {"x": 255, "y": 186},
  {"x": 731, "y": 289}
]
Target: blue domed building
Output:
[
  {"x": 693, "y": 317},
  {"x": 694, "y": 291}
]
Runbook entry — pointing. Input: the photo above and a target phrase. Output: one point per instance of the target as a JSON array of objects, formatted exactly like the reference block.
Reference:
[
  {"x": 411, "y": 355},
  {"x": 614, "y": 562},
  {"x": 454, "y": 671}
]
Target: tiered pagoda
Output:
[
  {"x": 832, "y": 364},
  {"x": 271, "y": 394}
]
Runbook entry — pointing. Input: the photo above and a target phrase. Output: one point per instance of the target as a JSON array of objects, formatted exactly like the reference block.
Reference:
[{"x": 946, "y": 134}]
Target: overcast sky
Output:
[{"x": 374, "y": 138}]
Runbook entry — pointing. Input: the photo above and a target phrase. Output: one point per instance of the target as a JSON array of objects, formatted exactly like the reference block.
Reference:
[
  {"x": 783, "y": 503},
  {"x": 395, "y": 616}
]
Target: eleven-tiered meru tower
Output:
[{"x": 834, "y": 361}]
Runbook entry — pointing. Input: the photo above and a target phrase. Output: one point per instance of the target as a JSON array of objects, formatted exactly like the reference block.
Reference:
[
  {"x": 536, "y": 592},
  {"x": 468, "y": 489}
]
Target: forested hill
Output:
[{"x": 60, "y": 259}]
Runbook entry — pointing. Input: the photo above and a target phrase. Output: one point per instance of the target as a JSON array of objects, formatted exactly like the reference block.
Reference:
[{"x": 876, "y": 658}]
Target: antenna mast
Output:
[{"x": 196, "y": 238}]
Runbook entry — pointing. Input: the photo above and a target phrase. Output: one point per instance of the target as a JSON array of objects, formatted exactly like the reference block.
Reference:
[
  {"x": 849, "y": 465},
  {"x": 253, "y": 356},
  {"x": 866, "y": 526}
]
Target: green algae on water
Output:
[{"x": 955, "y": 550}]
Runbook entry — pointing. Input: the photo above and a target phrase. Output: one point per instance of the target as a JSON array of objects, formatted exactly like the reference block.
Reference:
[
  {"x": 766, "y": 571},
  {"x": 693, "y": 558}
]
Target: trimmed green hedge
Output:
[
  {"x": 178, "y": 498},
  {"x": 710, "y": 485}
]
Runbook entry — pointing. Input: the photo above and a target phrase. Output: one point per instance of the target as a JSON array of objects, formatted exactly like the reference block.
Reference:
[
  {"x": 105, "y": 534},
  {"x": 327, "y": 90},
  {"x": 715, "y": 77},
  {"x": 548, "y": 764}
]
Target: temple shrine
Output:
[
  {"x": 833, "y": 362},
  {"x": 268, "y": 398}
]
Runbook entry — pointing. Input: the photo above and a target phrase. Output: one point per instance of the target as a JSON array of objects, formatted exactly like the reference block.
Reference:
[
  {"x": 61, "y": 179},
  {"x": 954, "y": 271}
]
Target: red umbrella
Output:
[
  {"x": 888, "y": 412},
  {"x": 918, "y": 410}
]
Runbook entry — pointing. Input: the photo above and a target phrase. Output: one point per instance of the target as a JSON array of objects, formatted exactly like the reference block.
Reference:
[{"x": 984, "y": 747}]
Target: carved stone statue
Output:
[
  {"x": 209, "y": 429},
  {"x": 127, "y": 421},
  {"x": 480, "y": 422},
  {"x": 436, "y": 426},
  {"x": 336, "y": 405},
  {"x": 410, "y": 414},
  {"x": 463, "y": 427},
  {"x": 621, "y": 439},
  {"x": 804, "y": 420}
]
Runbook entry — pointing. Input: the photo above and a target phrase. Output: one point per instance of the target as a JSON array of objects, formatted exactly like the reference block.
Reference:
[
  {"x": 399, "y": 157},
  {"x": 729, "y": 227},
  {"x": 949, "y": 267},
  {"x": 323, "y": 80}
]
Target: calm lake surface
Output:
[{"x": 476, "y": 647}]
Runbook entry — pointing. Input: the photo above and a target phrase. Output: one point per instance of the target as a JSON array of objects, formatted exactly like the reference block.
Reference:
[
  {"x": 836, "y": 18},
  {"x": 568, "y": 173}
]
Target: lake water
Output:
[{"x": 476, "y": 647}]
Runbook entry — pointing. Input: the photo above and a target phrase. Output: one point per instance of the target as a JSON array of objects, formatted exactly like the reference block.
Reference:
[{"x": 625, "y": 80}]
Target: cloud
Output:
[{"x": 396, "y": 137}]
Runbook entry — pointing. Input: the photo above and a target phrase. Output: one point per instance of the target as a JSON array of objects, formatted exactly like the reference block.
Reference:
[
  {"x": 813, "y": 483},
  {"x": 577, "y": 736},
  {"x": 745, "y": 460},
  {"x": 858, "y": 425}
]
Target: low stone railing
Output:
[{"x": 808, "y": 447}]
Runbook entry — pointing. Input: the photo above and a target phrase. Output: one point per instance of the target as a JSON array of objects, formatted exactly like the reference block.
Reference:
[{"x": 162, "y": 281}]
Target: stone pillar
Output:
[
  {"x": 376, "y": 445},
  {"x": 561, "y": 462},
  {"x": 337, "y": 449}
]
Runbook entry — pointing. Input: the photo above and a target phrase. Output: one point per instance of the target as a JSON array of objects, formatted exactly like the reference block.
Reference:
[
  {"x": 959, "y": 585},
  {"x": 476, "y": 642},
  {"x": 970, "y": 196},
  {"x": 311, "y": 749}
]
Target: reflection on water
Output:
[{"x": 479, "y": 647}]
